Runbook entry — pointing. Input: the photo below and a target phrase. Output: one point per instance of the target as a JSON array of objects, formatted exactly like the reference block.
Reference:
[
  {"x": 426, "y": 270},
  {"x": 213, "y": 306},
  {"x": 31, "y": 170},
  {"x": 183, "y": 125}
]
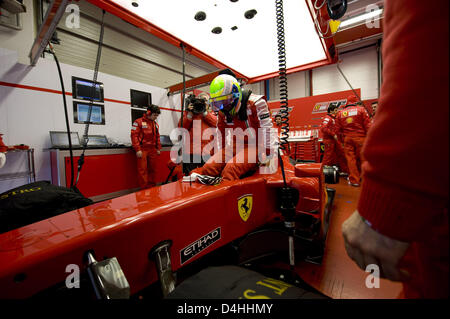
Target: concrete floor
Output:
[{"x": 338, "y": 276}]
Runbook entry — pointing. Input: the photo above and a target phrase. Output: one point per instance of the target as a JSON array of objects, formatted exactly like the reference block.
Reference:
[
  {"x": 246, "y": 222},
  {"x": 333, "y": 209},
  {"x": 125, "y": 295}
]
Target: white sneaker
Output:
[
  {"x": 203, "y": 179},
  {"x": 190, "y": 178},
  {"x": 209, "y": 180}
]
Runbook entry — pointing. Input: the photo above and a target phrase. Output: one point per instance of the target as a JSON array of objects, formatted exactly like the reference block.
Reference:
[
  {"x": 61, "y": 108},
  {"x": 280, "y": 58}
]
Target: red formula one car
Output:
[{"x": 134, "y": 245}]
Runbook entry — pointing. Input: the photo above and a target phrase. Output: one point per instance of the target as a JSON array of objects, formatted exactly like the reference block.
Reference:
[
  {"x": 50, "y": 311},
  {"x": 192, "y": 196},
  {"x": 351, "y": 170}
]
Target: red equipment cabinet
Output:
[{"x": 106, "y": 173}]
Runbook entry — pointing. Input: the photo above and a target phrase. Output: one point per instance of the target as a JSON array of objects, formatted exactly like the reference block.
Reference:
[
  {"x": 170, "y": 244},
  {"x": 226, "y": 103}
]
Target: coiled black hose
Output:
[{"x": 284, "y": 108}]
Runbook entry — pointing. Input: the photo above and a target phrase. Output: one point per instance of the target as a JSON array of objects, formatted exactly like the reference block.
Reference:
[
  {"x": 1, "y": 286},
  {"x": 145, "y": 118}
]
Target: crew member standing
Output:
[
  {"x": 401, "y": 224},
  {"x": 200, "y": 113},
  {"x": 353, "y": 123},
  {"x": 278, "y": 124},
  {"x": 146, "y": 142},
  {"x": 374, "y": 107},
  {"x": 333, "y": 154}
]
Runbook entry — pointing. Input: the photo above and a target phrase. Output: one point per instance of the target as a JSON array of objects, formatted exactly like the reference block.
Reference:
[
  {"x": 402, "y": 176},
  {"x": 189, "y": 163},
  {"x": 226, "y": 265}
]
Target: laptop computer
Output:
[
  {"x": 61, "y": 139},
  {"x": 97, "y": 141},
  {"x": 165, "y": 140}
]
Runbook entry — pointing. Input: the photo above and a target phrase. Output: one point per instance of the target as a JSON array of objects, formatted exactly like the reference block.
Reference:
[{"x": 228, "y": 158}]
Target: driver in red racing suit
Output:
[{"x": 245, "y": 130}]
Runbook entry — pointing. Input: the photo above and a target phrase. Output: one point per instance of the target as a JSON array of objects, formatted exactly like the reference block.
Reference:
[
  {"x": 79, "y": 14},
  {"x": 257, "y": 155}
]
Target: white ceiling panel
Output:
[{"x": 252, "y": 48}]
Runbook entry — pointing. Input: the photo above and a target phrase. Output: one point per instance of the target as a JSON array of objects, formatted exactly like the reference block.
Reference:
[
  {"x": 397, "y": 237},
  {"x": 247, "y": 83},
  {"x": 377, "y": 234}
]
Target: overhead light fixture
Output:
[
  {"x": 200, "y": 16},
  {"x": 249, "y": 14},
  {"x": 218, "y": 39},
  {"x": 217, "y": 30},
  {"x": 362, "y": 17}
]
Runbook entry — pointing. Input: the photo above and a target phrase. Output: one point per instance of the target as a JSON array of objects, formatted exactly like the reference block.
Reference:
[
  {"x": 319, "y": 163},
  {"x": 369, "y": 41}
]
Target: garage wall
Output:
[
  {"x": 31, "y": 105},
  {"x": 128, "y": 51},
  {"x": 361, "y": 69},
  {"x": 20, "y": 40}
]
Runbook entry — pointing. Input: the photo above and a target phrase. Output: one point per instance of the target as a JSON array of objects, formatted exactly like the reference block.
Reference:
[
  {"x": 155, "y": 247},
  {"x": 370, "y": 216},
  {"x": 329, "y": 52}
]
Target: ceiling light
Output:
[
  {"x": 200, "y": 16},
  {"x": 250, "y": 14},
  {"x": 250, "y": 50},
  {"x": 217, "y": 30},
  {"x": 362, "y": 17}
]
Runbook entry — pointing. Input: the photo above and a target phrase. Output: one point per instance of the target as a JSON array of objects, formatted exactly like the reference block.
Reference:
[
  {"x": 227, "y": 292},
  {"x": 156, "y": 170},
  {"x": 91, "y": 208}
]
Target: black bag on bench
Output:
[{"x": 37, "y": 201}]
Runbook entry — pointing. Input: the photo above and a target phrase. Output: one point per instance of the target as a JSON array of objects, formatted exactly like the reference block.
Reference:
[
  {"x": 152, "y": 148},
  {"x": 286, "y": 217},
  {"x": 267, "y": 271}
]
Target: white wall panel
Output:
[
  {"x": 296, "y": 86},
  {"x": 27, "y": 116},
  {"x": 256, "y": 88},
  {"x": 20, "y": 40},
  {"x": 360, "y": 68}
]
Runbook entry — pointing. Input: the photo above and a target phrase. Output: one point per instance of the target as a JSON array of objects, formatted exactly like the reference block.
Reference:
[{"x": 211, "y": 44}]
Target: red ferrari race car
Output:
[{"x": 174, "y": 239}]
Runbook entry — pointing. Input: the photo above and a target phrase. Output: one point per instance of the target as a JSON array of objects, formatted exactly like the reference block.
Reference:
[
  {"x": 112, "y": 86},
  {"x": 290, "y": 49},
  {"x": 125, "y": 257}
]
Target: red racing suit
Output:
[
  {"x": 145, "y": 138},
  {"x": 333, "y": 154},
  {"x": 196, "y": 143},
  {"x": 3, "y": 147},
  {"x": 239, "y": 153},
  {"x": 405, "y": 190},
  {"x": 353, "y": 123}
]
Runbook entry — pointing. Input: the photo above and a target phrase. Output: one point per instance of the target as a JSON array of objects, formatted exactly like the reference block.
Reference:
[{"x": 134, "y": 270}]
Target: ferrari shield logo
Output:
[{"x": 245, "y": 204}]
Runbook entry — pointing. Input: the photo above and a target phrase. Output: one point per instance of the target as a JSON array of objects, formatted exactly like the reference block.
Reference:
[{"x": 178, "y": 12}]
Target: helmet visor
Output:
[{"x": 223, "y": 103}]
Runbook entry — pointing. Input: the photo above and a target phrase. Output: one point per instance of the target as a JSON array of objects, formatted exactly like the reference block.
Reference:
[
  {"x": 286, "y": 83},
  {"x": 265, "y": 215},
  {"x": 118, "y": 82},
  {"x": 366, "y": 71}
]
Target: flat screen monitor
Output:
[
  {"x": 61, "y": 139},
  {"x": 81, "y": 111},
  {"x": 140, "y": 99},
  {"x": 83, "y": 89},
  {"x": 135, "y": 114}
]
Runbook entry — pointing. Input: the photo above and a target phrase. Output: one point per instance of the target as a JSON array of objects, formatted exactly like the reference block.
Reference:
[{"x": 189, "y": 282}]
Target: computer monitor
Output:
[
  {"x": 61, "y": 139},
  {"x": 83, "y": 89},
  {"x": 81, "y": 110},
  {"x": 140, "y": 99}
]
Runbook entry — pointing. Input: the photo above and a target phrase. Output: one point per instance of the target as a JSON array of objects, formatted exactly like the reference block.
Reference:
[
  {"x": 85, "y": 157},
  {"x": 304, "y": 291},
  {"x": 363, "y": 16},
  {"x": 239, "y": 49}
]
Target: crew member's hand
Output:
[
  {"x": 265, "y": 160},
  {"x": 335, "y": 137},
  {"x": 158, "y": 152},
  {"x": 139, "y": 154},
  {"x": 366, "y": 246}
]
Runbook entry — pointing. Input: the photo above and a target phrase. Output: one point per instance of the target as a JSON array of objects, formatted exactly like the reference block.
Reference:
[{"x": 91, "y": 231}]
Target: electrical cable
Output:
[
  {"x": 322, "y": 35},
  {"x": 52, "y": 51},
  {"x": 91, "y": 101},
  {"x": 357, "y": 95},
  {"x": 287, "y": 194},
  {"x": 319, "y": 7},
  {"x": 183, "y": 166}
]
